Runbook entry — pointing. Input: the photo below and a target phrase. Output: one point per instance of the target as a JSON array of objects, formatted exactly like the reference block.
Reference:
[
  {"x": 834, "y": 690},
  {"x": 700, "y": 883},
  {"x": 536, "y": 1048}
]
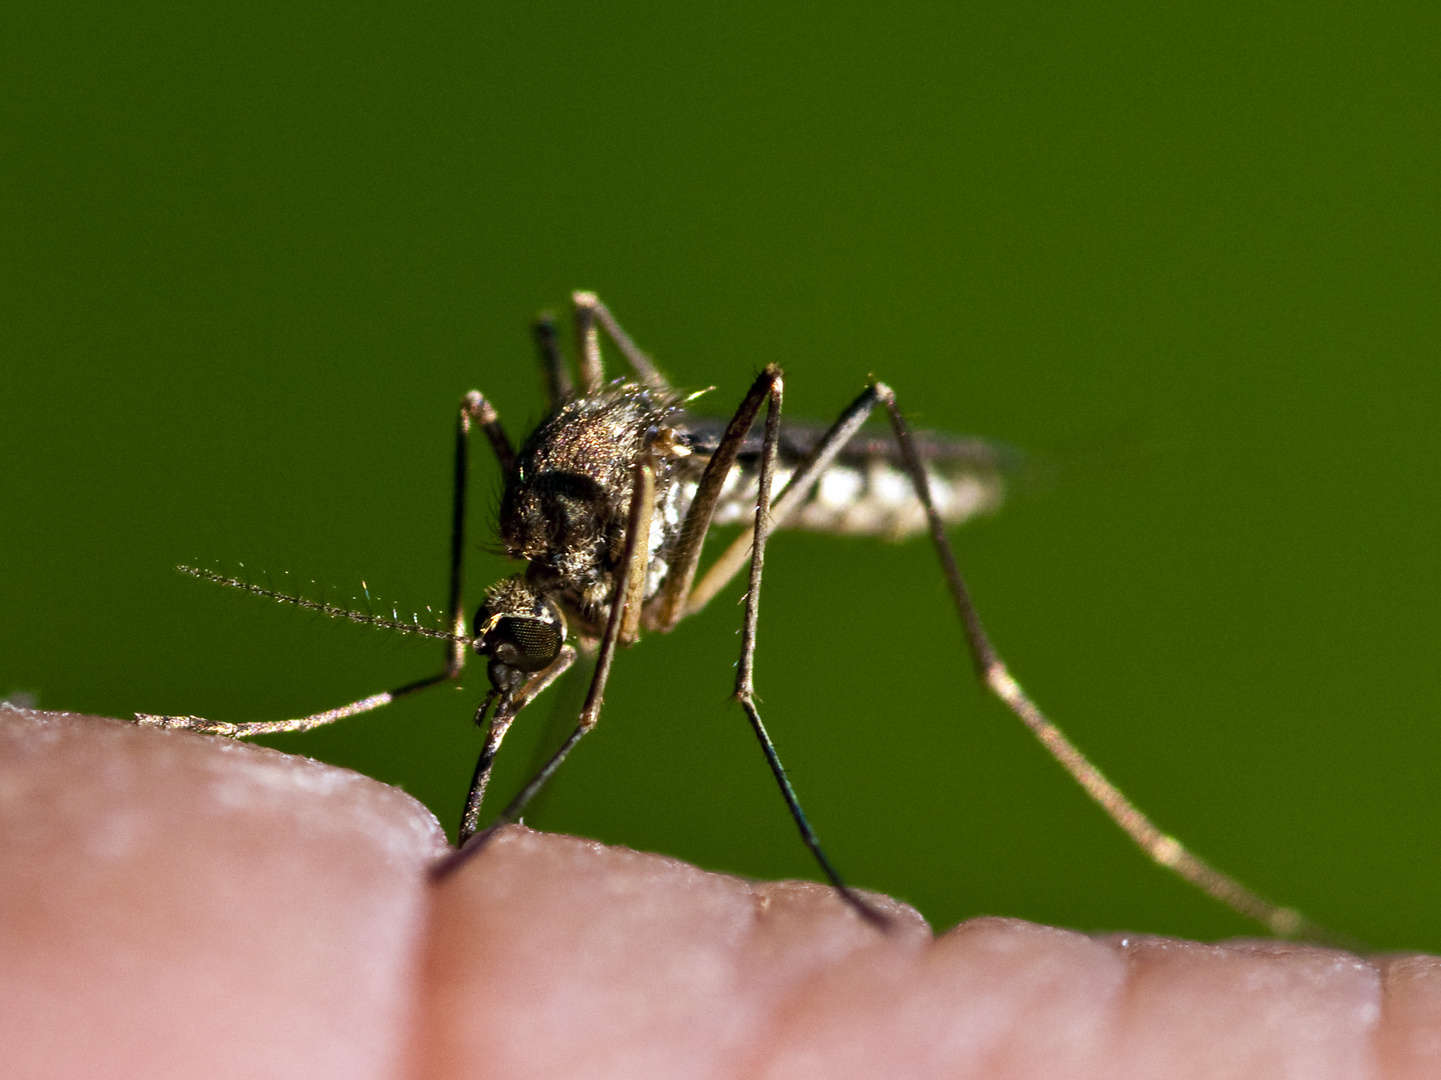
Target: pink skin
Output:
[{"x": 174, "y": 905}]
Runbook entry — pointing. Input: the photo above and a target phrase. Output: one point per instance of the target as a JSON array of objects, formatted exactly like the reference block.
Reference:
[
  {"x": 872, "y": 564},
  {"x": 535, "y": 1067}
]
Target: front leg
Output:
[
  {"x": 625, "y": 602},
  {"x": 474, "y": 409}
]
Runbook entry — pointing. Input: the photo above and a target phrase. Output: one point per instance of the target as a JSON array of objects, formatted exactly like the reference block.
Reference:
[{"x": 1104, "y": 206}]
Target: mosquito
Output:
[{"x": 609, "y": 502}]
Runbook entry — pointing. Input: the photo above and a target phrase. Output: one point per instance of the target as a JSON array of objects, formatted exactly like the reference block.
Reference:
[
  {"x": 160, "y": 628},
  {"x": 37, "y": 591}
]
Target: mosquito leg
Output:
[
  {"x": 745, "y": 683},
  {"x": 301, "y": 723},
  {"x": 790, "y": 499},
  {"x": 670, "y": 605},
  {"x": 588, "y": 312},
  {"x": 561, "y": 711},
  {"x": 642, "y": 508},
  {"x": 557, "y": 378},
  {"x": 587, "y": 344},
  {"x": 505, "y": 714},
  {"x": 473, "y": 409},
  {"x": 1164, "y": 850}
]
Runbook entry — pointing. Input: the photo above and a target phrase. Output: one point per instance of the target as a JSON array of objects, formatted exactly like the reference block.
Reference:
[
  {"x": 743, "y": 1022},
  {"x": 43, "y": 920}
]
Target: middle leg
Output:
[{"x": 745, "y": 670}]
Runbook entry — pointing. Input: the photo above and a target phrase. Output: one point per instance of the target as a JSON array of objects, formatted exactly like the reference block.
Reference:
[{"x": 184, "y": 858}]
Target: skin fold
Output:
[{"x": 175, "y": 905}]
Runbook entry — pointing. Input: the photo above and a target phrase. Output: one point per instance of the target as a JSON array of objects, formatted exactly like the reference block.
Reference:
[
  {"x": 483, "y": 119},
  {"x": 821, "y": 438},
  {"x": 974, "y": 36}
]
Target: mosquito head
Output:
[{"x": 519, "y": 630}]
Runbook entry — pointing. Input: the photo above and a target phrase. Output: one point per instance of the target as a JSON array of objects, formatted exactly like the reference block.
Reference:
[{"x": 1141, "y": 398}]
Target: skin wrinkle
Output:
[
  {"x": 1409, "y": 1032},
  {"x": 1327, "y": 1002},
  {"x": 980, "y": 970},
  {"x": 246, "y": 912},
  {"x": 772, "y": 943}
]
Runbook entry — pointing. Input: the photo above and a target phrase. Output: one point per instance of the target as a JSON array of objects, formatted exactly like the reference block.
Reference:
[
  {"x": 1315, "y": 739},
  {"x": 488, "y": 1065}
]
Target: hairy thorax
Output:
[{"x": 566, "y": 505}]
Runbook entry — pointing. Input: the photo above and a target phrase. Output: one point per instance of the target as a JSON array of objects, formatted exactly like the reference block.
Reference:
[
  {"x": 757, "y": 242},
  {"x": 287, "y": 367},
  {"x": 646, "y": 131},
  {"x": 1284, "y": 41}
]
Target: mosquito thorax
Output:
[
  {"x": 566, "y": 502},
  {"x": 519, "y": 630}
]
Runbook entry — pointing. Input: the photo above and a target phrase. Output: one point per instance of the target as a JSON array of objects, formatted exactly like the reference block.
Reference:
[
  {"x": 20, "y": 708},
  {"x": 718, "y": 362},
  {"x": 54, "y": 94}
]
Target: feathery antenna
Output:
[{"x": 331, "y": 610}]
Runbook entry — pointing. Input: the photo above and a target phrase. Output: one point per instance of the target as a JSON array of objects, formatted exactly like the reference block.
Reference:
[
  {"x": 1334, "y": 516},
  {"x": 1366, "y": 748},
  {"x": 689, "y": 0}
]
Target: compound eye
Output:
[
  {"x": 519, "y": 630},
  {"x": 523, "y": 643}
]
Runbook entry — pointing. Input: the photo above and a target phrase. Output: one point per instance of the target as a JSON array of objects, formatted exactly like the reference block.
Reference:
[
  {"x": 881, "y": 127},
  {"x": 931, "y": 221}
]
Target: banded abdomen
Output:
[{"x": 867, "y": 491}]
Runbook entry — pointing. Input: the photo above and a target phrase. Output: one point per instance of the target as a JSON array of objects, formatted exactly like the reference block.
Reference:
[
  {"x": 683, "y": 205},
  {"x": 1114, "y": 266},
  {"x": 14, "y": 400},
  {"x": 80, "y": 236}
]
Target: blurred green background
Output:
[{"x": 254, "y": 254}]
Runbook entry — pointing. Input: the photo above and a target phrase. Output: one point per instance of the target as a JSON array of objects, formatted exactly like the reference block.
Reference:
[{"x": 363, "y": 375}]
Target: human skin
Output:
[{"x": 186, "y": 906}]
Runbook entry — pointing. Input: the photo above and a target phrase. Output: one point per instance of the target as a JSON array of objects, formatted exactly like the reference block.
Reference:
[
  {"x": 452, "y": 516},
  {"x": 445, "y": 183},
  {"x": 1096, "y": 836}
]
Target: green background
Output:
[{"x": 254, "y": 254}]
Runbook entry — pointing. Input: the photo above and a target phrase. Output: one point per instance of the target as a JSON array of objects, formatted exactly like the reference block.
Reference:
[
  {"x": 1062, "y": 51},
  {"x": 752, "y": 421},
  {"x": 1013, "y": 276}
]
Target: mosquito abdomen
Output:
[{"x": 868, "y": 493}]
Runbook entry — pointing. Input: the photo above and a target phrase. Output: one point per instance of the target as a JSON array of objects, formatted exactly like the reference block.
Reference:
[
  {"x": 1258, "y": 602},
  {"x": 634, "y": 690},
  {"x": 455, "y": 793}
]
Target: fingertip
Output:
[
  {"x": 180, "y": 905},
  {"x": 554, "y": 956}
]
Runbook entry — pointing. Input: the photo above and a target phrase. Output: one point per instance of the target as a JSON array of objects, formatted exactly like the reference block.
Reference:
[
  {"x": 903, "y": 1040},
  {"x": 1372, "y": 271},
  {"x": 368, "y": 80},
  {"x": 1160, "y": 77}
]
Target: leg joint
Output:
[{"x": 475, "y": 407}]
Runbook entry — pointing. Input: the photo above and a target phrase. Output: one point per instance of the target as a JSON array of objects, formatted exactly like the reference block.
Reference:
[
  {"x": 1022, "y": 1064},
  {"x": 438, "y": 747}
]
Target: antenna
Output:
[{"x": 330, "y": 610}]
